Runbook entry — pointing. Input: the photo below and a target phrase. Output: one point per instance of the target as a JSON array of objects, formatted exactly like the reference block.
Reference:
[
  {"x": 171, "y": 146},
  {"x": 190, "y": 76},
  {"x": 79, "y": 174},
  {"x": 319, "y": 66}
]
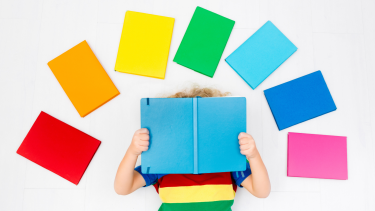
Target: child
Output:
[{"x": 213, "y": 191}]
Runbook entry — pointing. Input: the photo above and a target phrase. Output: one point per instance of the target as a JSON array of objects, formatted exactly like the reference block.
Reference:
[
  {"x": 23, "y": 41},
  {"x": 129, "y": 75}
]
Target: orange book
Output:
[{"x": 83, "y": 78}]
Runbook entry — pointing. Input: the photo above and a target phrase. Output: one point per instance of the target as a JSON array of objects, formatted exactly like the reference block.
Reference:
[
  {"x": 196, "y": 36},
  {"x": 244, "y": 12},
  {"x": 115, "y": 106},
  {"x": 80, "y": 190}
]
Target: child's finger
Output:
[
  {"x": 244, "y": 152},
  {"x": 144, "y": 143},
  {"x": 242, "y": 135},
  {"x": 143, "y": 130},
  {"x": 144, "y": 148},
  {"x": 243, "y": 141},
  {"x": 245, "y": 147},
  {"x": 144, "y": 137}
]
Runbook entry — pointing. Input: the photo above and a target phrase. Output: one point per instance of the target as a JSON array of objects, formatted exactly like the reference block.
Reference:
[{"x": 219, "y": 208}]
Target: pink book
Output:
[{"x": 317, "y": 156}]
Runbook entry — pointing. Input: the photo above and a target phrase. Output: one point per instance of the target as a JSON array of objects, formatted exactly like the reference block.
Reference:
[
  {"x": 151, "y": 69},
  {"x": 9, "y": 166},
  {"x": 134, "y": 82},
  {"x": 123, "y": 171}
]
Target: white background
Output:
[{"x": 336, "y": 37}]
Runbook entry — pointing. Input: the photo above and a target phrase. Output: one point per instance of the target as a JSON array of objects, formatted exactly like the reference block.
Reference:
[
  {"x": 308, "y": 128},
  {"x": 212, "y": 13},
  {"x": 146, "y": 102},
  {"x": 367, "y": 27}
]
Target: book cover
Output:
[
  {"x": 59, "y": 147},
  {"x": 83, "y": 78},
  {"x": 261, "y": 54},
  {"x": 317, "y": 156},
  {"x": 144, "y": 44},
  {"x": 193, "y": 135},
  {"x": 204, "y": 42},
  {"x": 299, "y": 100}
]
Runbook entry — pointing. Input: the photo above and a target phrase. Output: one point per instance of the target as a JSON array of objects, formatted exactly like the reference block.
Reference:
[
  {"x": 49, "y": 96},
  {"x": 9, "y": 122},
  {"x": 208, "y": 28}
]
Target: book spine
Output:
[
  {"x": 195, "y": 128},
  {"x": 148, "y": 164}
]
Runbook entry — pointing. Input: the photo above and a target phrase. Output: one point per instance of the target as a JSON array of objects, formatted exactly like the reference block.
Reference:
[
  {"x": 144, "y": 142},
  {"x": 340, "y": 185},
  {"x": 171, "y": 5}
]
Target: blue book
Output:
[
  {"x": 261, "y": 54},
  {"x": 193, "y": 135},
  {"x": 299, "y": 100}
]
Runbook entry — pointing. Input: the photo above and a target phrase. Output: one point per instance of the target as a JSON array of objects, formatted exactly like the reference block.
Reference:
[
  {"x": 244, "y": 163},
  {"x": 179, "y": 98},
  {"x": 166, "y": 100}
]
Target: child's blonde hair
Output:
[{"x": 196, "y": 90}]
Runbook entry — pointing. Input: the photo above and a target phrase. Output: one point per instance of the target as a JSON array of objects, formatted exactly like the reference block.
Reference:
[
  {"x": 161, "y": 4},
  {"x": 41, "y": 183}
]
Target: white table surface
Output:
[{"x": 336, "y": 37}]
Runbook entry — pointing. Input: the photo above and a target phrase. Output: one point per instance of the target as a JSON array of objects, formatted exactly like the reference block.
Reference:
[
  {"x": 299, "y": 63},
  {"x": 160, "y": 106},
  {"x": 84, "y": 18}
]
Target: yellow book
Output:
[{"x": 144, "y": 44}]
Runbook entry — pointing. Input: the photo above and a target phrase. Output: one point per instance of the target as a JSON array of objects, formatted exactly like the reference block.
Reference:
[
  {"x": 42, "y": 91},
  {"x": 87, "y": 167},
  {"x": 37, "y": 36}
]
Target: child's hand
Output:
[
  {"x": 247, "y": 145},
  {"x": 140, "y": 142}
]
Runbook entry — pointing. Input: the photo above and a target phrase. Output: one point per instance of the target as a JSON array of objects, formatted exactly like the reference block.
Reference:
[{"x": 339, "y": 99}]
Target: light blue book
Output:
[
  {"x": 193, "y": 135},
  {"x": 261, "y": 54}
]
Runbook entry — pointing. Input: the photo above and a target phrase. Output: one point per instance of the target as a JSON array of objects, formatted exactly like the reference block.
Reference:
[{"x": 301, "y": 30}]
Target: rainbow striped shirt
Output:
[{"x": 186, "y": 192}]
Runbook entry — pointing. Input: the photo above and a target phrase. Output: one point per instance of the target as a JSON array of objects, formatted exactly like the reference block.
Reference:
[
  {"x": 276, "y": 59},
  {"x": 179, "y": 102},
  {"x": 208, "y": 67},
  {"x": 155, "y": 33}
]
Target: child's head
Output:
[{"x": 196, "y": 90}]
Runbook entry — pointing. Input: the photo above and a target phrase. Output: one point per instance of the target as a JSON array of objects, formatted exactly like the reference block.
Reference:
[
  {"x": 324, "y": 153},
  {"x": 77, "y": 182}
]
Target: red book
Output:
[{"x": 59, "y": 147}]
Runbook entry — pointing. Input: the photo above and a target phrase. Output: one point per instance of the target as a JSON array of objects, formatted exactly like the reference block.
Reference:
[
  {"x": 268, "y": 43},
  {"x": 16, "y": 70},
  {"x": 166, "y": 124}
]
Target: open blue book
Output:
[
  {"x": 261, "y": 54},
  {"x": 193, "y": 135},
  {"x": 299, "y": 100}
]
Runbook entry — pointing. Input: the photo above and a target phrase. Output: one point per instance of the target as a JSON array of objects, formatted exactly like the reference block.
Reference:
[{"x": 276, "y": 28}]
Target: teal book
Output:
[
  {"x": 261, "y": 54},
  {"x": 193, "y": 135}
]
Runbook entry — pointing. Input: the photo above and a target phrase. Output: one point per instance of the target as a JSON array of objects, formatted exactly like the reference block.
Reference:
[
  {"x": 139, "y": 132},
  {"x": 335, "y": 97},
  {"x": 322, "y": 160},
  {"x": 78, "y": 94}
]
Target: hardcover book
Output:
[
  {"x": 144, "y": 44},
  {"x": 299, "y": 100},
  {"x": 204, "y": 42},
  {"x": 83, "y": 78},
  {"x": 261, "y": 54},
  {"x": 193, "y": 135},
  {"x": 317, "y": 156},
  {"x": 59, "y": 147}
]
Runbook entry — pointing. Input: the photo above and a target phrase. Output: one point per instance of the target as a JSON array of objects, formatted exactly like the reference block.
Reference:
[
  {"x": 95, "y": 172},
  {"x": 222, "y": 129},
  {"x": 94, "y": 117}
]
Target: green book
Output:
[{"x": 204, "y": 41}]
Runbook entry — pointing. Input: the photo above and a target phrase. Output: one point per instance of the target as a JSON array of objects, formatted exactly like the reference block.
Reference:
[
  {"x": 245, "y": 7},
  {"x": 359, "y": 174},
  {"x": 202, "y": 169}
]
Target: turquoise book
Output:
[
  {"x": 261, "y": 54},
  {"x": 193, "y": 135}
]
